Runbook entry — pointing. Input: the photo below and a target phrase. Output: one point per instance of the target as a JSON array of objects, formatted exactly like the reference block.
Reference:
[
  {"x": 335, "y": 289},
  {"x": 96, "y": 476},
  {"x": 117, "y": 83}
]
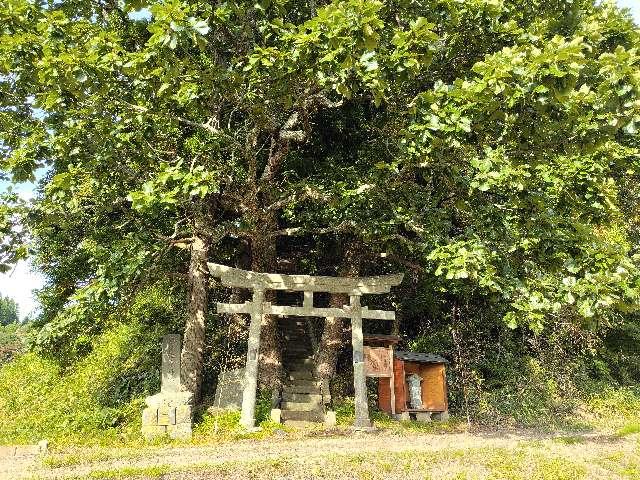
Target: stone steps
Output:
[
  {"x": 297, "y": 345},
  {"x": 292, "y": 363},
  {"x": 303, "y": 386},
  {"x": 301, "y": 424},
  {"x": 316, "y": 416},
  {"x": 302, "y": 375},
  {"x": 301, "y": 364},
  {"x": 304, "y": 389},
  {"x": 300, "y": 351},
  {"x": 295, "y": 337},
  {"x": 297, "y": 367},
  {"x": 301, "y": 397},
  {"x": 302, "y": 406},
  {"x": 302, "y": 401}
]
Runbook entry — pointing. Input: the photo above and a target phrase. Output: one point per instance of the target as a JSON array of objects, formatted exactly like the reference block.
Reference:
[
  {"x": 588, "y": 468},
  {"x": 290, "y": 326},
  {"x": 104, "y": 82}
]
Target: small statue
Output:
[{"x": 415, "y": 391}]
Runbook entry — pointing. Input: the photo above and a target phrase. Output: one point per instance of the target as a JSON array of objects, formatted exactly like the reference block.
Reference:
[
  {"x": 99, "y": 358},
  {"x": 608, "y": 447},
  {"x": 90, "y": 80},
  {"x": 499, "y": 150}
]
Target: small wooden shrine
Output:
[{"x": 409, "y": 383}]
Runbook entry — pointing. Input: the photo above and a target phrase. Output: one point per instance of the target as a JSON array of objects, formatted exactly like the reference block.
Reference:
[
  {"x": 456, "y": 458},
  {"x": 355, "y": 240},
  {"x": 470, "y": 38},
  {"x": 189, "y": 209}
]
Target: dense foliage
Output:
[
  {"x": 8, "y": 311},
  {"x": 99, "y": 397},
  {"x": 488, "y": 148},
  {"x": 12, "y": 341}
]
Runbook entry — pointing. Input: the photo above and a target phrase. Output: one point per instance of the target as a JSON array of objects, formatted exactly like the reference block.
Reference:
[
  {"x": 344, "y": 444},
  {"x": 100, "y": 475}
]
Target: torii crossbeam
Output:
[{"x": 260, "y": 282}]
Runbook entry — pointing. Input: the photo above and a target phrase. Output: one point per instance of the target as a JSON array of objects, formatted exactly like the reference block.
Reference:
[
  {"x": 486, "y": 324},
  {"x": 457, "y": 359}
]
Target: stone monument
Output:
[
  {"x": 170, "y": 411},
  {"x": 415, "y": 391},
  {"x": 229, "y": 389}
]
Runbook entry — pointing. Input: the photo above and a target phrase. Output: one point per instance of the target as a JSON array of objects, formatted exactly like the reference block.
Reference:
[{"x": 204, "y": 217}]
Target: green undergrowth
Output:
[
  {"x": 599, "y": 407},
  {"x": 12, "y": 341},
  {"x": 224, "y": 425},
  {"x": 97, "y": 400},
  {"x": 345, "y": 416},
  {"x": 614, "y": 410}
]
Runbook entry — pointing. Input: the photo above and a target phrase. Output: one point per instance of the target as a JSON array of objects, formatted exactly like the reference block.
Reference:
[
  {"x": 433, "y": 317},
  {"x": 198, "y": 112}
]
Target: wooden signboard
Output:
[{"x": 377, "y": 362}]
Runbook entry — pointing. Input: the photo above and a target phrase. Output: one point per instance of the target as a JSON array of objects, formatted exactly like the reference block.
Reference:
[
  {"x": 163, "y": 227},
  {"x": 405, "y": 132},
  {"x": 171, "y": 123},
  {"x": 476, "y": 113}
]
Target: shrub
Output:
[
  {"x": 97, "y": 400},
  {"x": 614, "y": 409},
  {"x": 12, "y": 341}
]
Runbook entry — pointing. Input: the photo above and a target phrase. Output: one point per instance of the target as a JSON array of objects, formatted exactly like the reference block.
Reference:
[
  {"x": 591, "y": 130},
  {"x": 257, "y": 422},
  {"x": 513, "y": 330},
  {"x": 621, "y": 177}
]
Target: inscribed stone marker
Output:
[
  {"x": 229, "y": 389},
  {"x": 169, "y": 412},
  {"x": 171, "y": 346}
]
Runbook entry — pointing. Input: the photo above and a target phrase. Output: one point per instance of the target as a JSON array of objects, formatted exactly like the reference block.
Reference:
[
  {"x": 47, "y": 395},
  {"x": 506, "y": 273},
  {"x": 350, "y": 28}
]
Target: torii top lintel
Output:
[{"x": 235, "y": 277}]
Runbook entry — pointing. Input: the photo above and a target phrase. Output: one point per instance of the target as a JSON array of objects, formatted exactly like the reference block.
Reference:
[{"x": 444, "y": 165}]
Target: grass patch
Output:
[
  {"x": 569, "y": 440},
  {"x": 622, "y": 464},
  {"x": 345, "y": 416},
  {"x": 629, "y": 429},
  {"x": 86, "y": 456},
  {"x": 522, "y": 462},
  {"x": 614, "y": 409},
  {"x": 155, "y": 471},
  {"x": 224, "y": 425},
  {"x": 94, "y": 402}
]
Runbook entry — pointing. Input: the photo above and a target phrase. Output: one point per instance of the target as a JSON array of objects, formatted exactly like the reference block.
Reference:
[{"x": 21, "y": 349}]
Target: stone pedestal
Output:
[
  {"x": 168, "y": 414},
  {"x": 403, "y": 417},
  {"x": 330, "y": 419},
  {"x": 276, "y": 415},
  {"x": 170, "y": 411},
  {"x": 441, "y": 416},
  {"x": 423, "y": 417}
]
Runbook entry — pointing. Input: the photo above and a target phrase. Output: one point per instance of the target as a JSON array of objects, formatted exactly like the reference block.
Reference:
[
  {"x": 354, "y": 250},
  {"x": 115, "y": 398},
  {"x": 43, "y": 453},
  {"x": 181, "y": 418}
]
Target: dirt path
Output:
[
  {"x": 16, "y": 460},
  {"x": 175, "y": 461}
]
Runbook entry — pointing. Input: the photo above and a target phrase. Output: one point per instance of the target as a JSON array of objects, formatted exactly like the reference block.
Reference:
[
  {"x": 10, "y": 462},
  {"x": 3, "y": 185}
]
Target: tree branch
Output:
[{"x": 294, "y": 231}]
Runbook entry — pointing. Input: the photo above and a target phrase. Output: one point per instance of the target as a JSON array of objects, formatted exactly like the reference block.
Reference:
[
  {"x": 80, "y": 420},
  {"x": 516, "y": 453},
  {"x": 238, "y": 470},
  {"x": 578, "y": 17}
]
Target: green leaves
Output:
[
  {"x": 13, "y": 247},
  {"x": 347, "y": 48},
  {"x": 493, "y": 145},
  {"x": 465, "y": 260},
  {"x": 526, "y": 142},
  {"x": 172, "y": 24},
  {"x": 174, "y": 185}
]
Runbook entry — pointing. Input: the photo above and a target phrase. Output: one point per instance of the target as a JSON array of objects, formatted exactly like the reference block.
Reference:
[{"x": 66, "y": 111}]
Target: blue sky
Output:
[
  {"x": 634, "y": 5},
  {"x": 19, "y": 283}
]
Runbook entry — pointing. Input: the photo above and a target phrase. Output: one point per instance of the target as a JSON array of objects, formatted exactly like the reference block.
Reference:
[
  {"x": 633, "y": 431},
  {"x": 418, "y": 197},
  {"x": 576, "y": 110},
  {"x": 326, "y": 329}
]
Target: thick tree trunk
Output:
[
  {"x": 193, "y": 342},
  {"x": 238, "y": 328},
  {"x": 263, "y": 259},
  {"x": 333, "y": 334},
  {"x": 331, "y": 341}
]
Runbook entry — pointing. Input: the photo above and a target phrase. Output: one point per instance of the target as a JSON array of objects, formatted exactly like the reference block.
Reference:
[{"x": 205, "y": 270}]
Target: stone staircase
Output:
[{"x": 302, "y": 395}]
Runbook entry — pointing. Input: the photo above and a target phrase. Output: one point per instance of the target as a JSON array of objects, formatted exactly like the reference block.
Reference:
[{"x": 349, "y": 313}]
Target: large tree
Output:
[{"x": 486, "y": 145}]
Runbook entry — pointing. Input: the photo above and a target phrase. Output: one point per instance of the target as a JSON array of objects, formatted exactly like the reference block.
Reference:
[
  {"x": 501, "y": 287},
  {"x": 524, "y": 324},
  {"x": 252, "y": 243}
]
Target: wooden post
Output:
[
  {"x": 359, "y": 379},
  {"x": 392, "y": 383},
  {"x": 247, "y": 417}
]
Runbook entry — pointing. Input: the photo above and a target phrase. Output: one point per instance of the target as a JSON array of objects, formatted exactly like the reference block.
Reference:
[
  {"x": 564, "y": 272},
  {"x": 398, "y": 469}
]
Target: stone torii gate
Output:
[{"x": 260, "y": 282}]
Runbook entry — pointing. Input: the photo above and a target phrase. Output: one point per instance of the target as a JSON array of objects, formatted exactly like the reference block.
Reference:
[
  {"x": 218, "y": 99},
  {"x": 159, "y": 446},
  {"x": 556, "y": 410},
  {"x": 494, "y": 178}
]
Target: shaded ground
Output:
[{"x": 380, "y": 455}]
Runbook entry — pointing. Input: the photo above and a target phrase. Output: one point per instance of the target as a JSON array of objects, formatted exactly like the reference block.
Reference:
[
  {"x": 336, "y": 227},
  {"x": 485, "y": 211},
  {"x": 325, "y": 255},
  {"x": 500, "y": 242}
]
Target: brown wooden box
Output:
[{"x": 434, "y": 383}]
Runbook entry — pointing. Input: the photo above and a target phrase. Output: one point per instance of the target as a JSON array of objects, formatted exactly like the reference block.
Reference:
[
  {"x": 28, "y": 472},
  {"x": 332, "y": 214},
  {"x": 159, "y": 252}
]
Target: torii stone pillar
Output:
[
  {"x": 359, "y": 378},
  {"x": 251, "y": 369},
  {"x": 260, "y": 282}
]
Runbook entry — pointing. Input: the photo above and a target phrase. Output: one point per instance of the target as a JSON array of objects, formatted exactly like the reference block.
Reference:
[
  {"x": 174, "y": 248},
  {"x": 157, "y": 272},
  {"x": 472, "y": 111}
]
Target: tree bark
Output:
[
  {"x": 331, "y": 341},
  {"x": 333, "y": 334},
  {"x": 263, "y": 259},
  {"x": 194, "y": 338}
]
